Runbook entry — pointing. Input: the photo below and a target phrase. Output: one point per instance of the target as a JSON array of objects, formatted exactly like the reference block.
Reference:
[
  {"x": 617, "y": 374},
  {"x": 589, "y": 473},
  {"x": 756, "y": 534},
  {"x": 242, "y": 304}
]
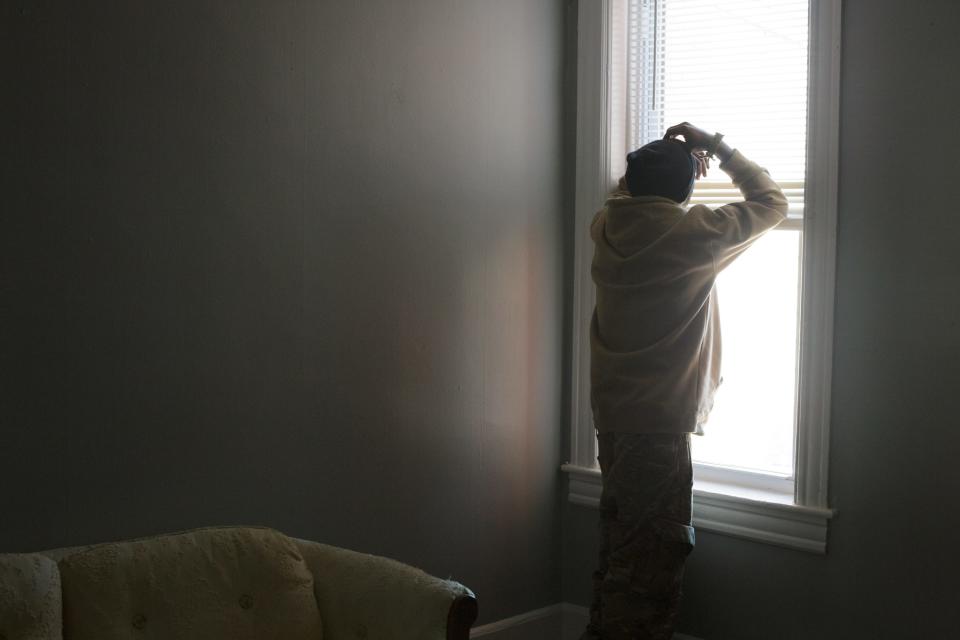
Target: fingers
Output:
[{"x": 702, "y": 164}]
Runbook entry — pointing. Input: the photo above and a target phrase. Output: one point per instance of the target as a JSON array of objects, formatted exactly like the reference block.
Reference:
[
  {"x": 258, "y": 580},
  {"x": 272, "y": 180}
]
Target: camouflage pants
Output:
[{"x": 645, "y": 519}]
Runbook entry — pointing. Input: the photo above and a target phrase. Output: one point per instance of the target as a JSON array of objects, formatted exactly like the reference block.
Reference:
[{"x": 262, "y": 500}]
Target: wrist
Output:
[
  {"x": 724, "y": 151},
  {"x": 714, "y": 142}
]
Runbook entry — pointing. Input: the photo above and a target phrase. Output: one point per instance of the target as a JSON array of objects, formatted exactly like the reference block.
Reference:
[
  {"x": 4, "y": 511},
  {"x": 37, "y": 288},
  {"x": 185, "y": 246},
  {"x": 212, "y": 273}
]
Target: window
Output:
[
  {"x": 751, "y": 85},
  {"x": 765, "y": 73}
]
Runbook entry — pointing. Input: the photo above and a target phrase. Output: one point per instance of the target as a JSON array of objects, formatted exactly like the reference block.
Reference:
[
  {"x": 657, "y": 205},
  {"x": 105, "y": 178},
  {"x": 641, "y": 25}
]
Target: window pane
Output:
[
  {"x": 752, "y": 423},
  {"x": 737, "y": 66}
]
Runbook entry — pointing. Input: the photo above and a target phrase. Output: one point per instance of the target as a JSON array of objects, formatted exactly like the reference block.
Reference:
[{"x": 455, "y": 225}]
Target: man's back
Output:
[{"x": 655, "y": 336}]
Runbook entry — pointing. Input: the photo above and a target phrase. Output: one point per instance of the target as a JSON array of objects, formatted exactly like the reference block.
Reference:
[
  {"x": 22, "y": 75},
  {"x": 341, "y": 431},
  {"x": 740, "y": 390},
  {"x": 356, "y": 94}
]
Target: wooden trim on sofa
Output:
[{"x": 462, "y": 615}]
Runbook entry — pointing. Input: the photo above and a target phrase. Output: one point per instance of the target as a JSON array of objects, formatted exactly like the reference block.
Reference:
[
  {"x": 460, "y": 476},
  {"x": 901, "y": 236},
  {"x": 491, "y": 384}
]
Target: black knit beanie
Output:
[{"x": 661, "y": 168}]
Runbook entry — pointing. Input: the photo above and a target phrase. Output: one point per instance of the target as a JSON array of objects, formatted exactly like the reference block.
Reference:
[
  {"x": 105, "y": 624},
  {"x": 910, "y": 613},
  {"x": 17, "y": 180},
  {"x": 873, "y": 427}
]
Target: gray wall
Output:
[
  {"x": 288, "y": 263},
  {"x": 891, "y": 571}
]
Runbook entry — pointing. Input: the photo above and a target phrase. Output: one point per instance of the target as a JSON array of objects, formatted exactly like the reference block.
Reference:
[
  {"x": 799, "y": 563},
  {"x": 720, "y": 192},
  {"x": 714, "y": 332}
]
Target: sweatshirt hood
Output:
[{"x": 629, "y": 225}]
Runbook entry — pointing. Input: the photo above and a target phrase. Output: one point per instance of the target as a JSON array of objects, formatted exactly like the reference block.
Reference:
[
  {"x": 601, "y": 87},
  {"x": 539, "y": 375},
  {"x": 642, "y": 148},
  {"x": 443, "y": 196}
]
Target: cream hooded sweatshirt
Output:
[{"x": 655, "y": 333}]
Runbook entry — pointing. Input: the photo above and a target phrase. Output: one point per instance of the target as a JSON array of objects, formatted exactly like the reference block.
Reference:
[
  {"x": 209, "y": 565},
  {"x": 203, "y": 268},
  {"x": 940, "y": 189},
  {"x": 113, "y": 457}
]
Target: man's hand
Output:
[
  {"x": 696, "y": 138},
  {"x": 699, "y": 143}
]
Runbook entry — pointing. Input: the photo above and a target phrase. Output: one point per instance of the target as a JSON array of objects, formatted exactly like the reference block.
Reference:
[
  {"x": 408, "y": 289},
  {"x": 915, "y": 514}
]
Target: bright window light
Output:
[{"x": 752, "y": 422}]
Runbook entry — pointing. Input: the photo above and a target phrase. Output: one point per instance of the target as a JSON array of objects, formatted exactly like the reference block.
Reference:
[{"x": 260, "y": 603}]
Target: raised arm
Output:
[{"x": 735, "y": 226}]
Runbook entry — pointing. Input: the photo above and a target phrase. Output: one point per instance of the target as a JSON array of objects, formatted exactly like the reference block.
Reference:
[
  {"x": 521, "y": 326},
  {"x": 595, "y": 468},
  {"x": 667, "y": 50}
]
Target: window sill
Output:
[{"x": 764, "y": 515}]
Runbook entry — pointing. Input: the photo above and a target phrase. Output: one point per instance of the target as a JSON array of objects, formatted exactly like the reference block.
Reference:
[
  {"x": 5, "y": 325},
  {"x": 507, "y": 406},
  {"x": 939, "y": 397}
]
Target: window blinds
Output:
[{"x": 734, "y": 66}]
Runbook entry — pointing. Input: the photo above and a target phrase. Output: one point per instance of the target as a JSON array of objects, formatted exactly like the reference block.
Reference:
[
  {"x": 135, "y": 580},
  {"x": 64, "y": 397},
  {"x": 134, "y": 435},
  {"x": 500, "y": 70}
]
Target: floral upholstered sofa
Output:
[{"x": 236, "y": 583}]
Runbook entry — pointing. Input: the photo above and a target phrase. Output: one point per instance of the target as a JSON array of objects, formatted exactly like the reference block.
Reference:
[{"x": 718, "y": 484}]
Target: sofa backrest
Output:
[{"x": 237, "y": 583}]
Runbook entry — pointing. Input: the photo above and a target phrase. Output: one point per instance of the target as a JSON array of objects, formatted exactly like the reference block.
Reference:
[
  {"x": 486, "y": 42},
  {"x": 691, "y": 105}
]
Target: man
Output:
[{"x": 655, "y": 364}]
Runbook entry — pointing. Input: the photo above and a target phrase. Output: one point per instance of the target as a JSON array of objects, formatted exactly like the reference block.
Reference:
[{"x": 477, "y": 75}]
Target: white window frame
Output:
[{"x": 790, "y": 512}]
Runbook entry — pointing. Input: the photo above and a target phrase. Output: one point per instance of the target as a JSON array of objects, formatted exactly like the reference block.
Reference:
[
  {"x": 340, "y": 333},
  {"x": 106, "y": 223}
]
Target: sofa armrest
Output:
[
  {"x": 362, "y": 596},
  {"x": 462, "y": 615}
]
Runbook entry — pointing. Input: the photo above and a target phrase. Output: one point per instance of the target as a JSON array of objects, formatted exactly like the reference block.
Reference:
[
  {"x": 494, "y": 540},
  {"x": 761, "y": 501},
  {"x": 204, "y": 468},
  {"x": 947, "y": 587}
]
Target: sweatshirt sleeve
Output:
[{"x": 732, "y": 228}]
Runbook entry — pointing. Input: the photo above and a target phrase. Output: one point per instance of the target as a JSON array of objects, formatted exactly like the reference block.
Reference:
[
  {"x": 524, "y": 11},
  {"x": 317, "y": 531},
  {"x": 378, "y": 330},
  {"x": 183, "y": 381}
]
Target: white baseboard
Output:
[
  {"x": 541, "y": 619},
  {"x": 562, "y": 621}
]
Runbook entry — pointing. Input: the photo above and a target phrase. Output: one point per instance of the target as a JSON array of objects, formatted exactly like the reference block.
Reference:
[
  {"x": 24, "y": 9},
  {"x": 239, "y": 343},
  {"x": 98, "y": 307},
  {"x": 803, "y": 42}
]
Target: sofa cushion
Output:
[
  {"x": 237, "y": 583},
  {"x": 29, "y": 597}
]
